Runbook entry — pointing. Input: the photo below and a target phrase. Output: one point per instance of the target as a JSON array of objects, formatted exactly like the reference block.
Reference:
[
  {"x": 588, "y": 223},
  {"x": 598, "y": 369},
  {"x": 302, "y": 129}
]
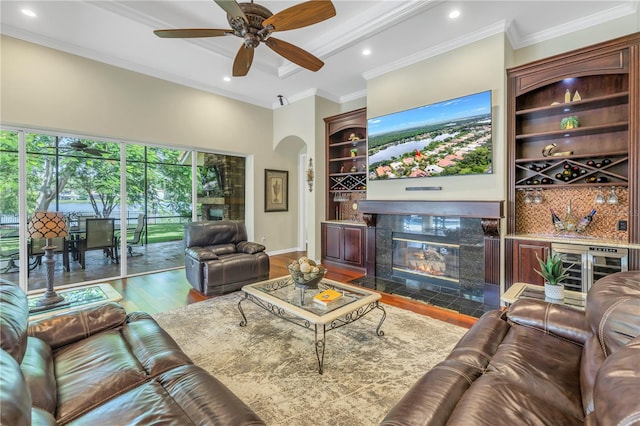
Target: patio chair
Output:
[
  {"x": 10, "y": 256},
  {"x": 137, "y": 236},
  {"x": 99, "y": 235},
  {"x": 35, "y": 249}
]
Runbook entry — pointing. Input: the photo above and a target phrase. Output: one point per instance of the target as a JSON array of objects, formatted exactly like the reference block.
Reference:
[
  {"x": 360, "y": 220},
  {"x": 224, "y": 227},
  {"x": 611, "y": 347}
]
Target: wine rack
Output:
[
  {"x": 604, "y": 169},
  {"x": 341, "y": 182}
]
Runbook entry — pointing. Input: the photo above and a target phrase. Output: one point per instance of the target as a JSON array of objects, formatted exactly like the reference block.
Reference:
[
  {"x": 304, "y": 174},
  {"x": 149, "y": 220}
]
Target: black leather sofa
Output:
[
  {"x": 100, "y": 366},
  {"x": 219, "y": 259},
  {"x": 539, "y": 364}
]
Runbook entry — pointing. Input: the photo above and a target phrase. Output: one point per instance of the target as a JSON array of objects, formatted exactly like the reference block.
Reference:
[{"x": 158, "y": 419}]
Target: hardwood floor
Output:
[{"x": 163, "y": 291}]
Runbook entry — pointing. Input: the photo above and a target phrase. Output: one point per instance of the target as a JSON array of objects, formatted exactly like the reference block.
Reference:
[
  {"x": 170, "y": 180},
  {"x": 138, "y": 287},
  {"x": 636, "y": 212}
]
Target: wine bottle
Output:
[
  {"x": 585, "y": 221},
  {"x": 591, "y": 163},
  {"x": 591, "y": 179},
  {"x": 545, "y": 181},
  {"x": 557, "y": 223},
  {"x": 559, "y": 175},
  {"x": 567, "y": 166},
  {"x": 569, "y": 220},
  {"x": 602, "y": 179},
  {"x": 606, "y": 162}
]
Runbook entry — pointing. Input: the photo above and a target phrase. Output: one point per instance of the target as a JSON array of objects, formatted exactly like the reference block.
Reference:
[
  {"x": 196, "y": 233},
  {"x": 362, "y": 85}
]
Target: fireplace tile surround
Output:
[{"x": 472, "y": 225}]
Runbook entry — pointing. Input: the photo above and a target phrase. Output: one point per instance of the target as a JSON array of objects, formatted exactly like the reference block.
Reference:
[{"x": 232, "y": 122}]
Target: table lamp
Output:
[{"x": 48, "y": 225}]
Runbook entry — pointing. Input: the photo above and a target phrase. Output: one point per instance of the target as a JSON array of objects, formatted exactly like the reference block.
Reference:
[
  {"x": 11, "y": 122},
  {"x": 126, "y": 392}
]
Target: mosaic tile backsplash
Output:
[{"x": 536, "y": 218}]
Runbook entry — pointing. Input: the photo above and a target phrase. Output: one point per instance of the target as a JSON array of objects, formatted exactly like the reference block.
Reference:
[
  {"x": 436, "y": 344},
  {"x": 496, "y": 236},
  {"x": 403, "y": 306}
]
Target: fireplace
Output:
[
  {"x": 444, "y": 251},
  {"x": 421, "y": 257}
]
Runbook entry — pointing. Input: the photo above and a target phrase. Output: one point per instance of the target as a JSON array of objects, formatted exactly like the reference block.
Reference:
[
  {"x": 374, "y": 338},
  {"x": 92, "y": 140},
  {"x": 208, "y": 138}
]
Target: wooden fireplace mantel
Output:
[{"x": 481, "y": 209}]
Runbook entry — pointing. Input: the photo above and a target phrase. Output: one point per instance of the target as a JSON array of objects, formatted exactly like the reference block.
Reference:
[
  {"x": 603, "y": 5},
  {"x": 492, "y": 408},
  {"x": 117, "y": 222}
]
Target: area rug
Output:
[{"x": 271, "y": 363}]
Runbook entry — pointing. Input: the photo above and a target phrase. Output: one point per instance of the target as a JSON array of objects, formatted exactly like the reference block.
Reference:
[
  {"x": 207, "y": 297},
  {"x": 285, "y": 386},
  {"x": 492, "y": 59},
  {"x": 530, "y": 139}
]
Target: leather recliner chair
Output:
[{"x": 219, "y": 259}]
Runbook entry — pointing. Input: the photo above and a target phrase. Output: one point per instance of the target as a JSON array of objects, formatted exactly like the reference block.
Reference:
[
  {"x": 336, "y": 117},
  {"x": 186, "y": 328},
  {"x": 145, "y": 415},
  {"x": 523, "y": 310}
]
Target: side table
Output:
[
  {"x": 517, "y": 291},
  {"x": 77, "y": 297}
]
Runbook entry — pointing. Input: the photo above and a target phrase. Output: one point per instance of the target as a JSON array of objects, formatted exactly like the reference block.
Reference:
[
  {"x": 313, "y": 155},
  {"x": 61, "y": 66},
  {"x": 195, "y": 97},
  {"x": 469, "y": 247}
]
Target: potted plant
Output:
[{"x": 553, "y": 272}]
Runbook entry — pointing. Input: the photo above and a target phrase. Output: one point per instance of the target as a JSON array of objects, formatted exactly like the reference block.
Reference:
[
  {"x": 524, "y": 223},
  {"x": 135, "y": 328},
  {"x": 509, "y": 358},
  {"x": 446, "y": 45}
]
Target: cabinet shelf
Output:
[
  {"x": 580, "y": 131},
  {"x": 574, "y": 107},
  {"x": 353, "y": 143},
  {"x": 571, "y": 157},
  {"x": 357, "y": 157}
]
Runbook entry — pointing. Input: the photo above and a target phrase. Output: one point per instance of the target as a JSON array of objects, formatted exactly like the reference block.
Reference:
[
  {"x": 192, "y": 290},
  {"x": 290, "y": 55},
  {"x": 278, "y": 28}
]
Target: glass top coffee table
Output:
[{"x": 282, "y": 298}]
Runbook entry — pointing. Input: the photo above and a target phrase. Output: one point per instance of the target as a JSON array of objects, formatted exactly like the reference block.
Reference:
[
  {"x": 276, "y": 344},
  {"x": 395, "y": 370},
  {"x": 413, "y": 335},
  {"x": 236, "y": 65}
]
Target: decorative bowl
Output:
[{"x": 308, "y": 279}]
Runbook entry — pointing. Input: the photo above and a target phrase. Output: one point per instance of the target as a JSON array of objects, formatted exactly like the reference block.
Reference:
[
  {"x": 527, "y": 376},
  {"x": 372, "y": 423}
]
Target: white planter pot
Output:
[{"x": 554, "y": 291}]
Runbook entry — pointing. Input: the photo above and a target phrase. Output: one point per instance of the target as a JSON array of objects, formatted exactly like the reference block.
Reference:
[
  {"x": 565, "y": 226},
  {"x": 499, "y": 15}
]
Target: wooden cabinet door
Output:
[
  {"x": 332, "y": 241},
  {"x": 353, "y": 245},
  {"x": 524, "y": 260}
]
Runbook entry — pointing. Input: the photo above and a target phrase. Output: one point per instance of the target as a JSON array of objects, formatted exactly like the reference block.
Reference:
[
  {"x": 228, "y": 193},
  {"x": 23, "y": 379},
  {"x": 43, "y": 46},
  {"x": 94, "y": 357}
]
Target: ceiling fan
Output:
[
  {"x": 83, "y": 147},
  {"x": 255, "y": 23}
]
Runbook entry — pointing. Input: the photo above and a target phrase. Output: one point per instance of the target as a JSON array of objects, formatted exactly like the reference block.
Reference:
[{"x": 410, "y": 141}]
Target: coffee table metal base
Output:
[{"x": 320, "y": 330}]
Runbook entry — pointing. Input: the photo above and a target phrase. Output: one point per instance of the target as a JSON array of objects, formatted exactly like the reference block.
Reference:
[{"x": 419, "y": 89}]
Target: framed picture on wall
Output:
[{"x": 276, "y": 190}]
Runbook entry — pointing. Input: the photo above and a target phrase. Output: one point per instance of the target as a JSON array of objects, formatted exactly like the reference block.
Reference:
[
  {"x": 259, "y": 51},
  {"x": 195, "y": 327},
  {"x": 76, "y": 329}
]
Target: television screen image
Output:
[{"x": 448, "y": 138}]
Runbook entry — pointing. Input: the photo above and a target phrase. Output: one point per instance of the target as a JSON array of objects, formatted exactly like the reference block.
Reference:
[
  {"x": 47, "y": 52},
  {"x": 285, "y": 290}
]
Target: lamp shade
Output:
[{"x": 47, "y": 225}]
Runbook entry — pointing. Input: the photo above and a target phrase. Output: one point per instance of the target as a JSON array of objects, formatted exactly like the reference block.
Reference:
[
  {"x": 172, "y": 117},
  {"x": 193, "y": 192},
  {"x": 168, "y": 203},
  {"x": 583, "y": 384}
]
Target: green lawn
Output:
[{"x": 157, "y": 233}]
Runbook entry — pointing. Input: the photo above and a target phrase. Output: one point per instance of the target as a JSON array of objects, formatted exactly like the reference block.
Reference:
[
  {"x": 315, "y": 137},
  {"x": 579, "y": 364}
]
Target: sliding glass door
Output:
[{"x": 143, "y": 193}]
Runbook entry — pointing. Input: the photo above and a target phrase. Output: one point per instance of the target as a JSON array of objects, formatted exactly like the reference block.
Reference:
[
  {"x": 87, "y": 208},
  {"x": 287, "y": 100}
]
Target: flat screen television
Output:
[{"x": 447, "y": 138}]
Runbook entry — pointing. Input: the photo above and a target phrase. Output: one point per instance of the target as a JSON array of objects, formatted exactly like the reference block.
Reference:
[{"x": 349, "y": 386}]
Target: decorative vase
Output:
[{"x": 554, "y": 291}]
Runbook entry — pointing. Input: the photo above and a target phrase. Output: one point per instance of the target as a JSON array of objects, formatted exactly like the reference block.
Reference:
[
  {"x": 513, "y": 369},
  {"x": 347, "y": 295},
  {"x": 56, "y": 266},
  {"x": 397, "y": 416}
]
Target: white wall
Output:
[
  {"x": 470, "y": 69},
  {"x": 47, "y": 89}
]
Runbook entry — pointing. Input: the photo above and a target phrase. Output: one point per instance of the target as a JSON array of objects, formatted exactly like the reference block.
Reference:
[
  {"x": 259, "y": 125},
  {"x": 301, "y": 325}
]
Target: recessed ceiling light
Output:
[
  {"x": 227, "y": 78},
  {"x": 366, "y": 52},
  {"x": 30, "y": 13},
  {"x": 454, "y": 14}
]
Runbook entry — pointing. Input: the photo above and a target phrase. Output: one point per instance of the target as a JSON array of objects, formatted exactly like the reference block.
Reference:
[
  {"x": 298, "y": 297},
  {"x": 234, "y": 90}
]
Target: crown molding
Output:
[
  {"x": 353, "y": 96},
  {"x": 573, "y": 26},
  {"x": 351, "y": 33},
  {"x": 483, "y": 33}
]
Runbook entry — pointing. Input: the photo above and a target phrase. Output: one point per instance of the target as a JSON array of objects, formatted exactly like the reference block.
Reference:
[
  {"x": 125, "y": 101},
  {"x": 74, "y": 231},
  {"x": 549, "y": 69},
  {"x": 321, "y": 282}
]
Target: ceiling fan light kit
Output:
[{"x": 254, "y": 23}]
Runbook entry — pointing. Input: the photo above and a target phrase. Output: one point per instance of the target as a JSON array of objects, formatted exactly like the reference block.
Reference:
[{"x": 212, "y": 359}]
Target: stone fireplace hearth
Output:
[{"x": 448, "y": 252}]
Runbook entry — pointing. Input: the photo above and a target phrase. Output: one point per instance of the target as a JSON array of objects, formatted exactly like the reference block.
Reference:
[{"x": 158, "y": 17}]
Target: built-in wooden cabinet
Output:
[
  {"x": 346, "y": 152},
  {"x": 525, "y": 261},
  {"x": 343, "y": 244},
  {"x": 572, "y": 125}
]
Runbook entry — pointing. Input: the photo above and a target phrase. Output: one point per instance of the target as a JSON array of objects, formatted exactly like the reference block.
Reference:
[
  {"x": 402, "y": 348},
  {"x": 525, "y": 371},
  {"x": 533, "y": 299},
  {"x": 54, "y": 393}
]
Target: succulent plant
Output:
[{"x": 552, "y": 269}]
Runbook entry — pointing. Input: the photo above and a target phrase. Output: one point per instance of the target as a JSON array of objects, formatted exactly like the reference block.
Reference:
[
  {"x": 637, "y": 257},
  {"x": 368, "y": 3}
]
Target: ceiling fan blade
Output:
[
  {"x": 243, "y": 60},
  {"x": 294, "y": 54},
  {"x": 93, "y": 151},
  {"x": 232, "y": 8},
  {"x": 301, "y": 15},
  {"x": 191, "y": 33}
]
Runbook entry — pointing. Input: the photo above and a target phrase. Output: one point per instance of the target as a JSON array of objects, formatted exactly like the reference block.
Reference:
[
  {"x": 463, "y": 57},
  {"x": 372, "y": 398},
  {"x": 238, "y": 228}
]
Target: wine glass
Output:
[
  {"x": 600, "y": 196},
  {"x": 537, "y": 197},
  {"x": 527, "y": 198},
  {"x": 612, "y": 198}
]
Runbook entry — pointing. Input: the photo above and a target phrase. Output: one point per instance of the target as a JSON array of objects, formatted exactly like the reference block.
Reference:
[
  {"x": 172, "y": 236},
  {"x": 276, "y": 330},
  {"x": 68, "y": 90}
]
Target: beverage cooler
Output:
[{"x": 587, "y": 264}]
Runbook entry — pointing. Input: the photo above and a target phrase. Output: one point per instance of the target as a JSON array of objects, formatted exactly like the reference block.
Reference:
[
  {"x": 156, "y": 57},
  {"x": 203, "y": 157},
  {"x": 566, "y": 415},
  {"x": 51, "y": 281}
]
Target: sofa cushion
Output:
[
  {"x": 14, "y": 319},
  {"x": 65, "y": 328},
  {"x": 541, "y": 365},
  {"x": 211, "y": 233},
  {"x": 92, "y": 371},
  {"x": 186, "y": 395},
  {"x": 249, "y": 247},
  {"x": 15, "y": 400},
  {"x": 613, "y": 305},
  {"x": 222, "y": 249},
  {"x": 617, "y": 388},
  {"x": 37, "y": 367},
  {"x": 200, "y": 253},
  {"x": 154, "y": 349}
]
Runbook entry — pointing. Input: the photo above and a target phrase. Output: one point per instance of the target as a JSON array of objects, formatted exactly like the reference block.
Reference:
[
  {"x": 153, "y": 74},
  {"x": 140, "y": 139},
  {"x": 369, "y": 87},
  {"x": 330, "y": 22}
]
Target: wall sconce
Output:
[{"x": 310, "y": 175}]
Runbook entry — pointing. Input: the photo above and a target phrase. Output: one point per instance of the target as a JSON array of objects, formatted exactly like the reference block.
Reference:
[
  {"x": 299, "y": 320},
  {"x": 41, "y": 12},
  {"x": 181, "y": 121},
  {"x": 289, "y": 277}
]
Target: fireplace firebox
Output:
[{"x": 424, "y": 258}]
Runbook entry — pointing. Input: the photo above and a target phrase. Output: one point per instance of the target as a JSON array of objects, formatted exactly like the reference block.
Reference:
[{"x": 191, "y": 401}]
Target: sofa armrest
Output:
[
  {"x": 550, "y": 318},
  {"x": 201, "y": 254},
  {"x": 63, "y": 329},
  {"x": 249, "y": 247}
]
